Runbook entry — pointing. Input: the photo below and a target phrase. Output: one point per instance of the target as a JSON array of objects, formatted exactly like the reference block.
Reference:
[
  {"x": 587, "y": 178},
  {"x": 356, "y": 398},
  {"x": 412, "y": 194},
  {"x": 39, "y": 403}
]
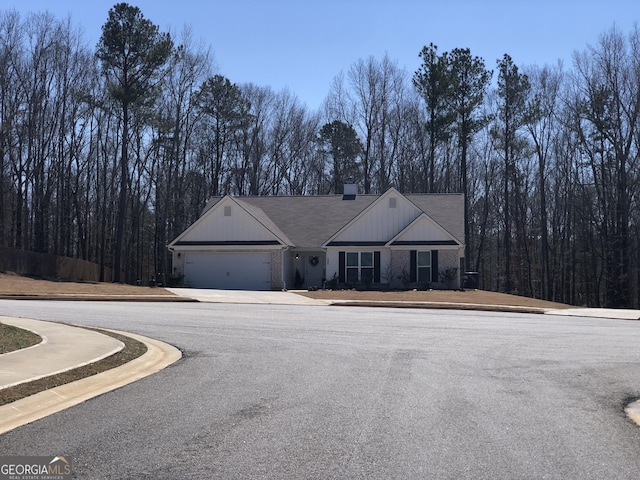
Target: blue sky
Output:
[{"x": 304, "y": 44}]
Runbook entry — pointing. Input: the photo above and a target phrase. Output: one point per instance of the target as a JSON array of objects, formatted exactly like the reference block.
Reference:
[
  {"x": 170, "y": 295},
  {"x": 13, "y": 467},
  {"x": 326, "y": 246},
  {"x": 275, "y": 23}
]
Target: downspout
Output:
[
  {"x": 173, "y": 267},
  {"x": 460, "y": 267},
  {"x": 284, "y": 283}
]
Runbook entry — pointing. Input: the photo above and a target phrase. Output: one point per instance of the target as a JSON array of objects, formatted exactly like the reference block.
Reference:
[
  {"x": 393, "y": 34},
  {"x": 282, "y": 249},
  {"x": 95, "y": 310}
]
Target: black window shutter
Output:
[
  {"x": 376, "y": 267},
  {"x": 341, "y": 265},
  {"x": 435, "y": 277},
  {"x": 413, "y": 263}
]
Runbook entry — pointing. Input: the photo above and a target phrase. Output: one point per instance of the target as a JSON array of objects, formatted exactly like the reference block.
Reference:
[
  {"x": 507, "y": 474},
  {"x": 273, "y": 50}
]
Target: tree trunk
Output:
[{"x": 122, "y": 201}]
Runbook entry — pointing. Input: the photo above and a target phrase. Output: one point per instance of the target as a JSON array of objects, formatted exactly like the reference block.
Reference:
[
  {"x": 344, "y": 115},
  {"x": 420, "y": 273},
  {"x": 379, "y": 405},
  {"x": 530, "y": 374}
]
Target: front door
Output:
[{"x": 312, "y": 269}]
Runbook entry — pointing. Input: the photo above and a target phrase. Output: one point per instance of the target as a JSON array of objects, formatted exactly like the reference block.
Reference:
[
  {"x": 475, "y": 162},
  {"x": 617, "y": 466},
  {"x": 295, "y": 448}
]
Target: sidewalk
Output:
[
  {"x": 63, "y": 348},
  {"x": 616, "y": 313}
]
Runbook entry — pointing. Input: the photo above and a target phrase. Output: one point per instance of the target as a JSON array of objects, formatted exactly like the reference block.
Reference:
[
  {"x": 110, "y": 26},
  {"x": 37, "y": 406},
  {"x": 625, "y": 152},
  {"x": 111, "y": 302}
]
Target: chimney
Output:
[{"x": 350, "y": 191}]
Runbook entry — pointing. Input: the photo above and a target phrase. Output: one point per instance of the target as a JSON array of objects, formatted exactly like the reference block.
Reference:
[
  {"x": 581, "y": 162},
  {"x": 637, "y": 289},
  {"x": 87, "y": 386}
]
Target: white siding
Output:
[
  {"x": 424, "y": 229},
  {"x": 385, "y": 266},
  {"x": 214, "y": 226},
  {"x": 381, "y": 223},
  {"x": 333, "y": 263}
]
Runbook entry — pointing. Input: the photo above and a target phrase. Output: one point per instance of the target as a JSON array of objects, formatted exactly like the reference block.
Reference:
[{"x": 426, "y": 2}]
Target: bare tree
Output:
[
  {"x": 365, "y": 99},
  {"x": 10, "y": 112},
  {"x": 543, "y": 127},
  {"x": 252, "y": 141},
  {"x": 303, "y": 174},
  {"x": 175, "y": 130},
  {"x": 609, "y": 109}
]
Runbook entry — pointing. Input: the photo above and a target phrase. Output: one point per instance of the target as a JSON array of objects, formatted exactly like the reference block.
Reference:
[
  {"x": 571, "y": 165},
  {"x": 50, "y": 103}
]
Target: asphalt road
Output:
[{"x": 304, "y": 392}]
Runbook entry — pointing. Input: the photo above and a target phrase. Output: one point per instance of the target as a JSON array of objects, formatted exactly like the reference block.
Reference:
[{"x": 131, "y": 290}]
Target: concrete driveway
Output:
[{"x": 245, "y": 296}]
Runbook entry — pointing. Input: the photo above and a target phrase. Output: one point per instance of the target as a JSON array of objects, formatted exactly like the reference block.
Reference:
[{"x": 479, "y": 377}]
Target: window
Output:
[
  {"x": 227, "y": 210},
  {"x": 392, "y": 202},
  {"x": 424, "y": 267},
  {"x": 359, "y": 267}
]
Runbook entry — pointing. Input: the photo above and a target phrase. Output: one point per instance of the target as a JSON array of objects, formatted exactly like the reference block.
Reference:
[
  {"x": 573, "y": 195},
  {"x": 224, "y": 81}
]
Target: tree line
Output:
[{"x": 107, "y": 153}]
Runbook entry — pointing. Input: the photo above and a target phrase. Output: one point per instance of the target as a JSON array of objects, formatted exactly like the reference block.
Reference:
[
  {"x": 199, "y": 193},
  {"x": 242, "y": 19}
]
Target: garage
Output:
[{"x": 230, "y": 271}]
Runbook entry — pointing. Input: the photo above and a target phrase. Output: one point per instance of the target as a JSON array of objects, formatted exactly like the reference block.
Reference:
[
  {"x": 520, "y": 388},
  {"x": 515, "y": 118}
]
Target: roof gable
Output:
[
  {"x": 423, "y": 231},
  {"x": 446, "y": 209},
  {"x": 390, "y": 213},
  {"x": 231, "y": 222}
]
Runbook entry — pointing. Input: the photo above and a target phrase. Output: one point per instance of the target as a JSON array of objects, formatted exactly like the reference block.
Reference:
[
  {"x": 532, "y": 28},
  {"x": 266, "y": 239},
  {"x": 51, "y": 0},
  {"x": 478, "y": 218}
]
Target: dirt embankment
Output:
[{"x": 11, "y": 284}]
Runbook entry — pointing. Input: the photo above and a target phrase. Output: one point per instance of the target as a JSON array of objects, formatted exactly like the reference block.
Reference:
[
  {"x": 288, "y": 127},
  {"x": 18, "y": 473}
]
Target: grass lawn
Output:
[
  {"x": 132, "y": 349},
  {"x": 14, "y": 338}
]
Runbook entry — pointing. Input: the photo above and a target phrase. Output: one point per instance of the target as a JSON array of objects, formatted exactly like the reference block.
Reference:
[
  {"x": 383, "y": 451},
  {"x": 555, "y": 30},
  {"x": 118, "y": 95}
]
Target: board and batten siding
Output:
[
  {"x": 227, "y": 222},
  {"x": 381, "y": 222}
]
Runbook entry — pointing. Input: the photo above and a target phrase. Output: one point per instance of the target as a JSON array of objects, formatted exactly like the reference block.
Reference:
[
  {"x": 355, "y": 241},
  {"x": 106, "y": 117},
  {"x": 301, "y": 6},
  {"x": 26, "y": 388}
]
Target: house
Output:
[{"x": 273, "y": 243}]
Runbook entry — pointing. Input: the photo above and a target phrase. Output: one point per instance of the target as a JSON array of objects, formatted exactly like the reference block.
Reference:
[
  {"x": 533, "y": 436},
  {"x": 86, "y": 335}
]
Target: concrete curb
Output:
[
  {"x": 440, "y": 305},
  {"x": 159, "y": 355},
  {"x": 100, "y": 298}
]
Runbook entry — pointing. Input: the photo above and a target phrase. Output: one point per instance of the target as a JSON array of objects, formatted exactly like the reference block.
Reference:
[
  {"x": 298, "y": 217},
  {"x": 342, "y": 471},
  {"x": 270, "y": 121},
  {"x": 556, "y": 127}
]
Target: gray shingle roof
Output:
[
  {"x": 309, "y": 221},
  {"x": 447, "y": 209},
  {"x": 265, "y": 219}
]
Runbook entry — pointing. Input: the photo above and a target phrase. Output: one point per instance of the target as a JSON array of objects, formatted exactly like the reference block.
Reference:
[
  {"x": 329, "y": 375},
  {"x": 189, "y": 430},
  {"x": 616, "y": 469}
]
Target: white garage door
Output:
[{"x": 228, "y": 271}]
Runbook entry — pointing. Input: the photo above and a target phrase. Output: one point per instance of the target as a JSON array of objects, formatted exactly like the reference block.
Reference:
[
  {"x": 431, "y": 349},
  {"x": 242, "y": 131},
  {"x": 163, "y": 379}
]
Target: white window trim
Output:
[
  {"x": 359, "y": 267},
  {"x": 418, "y": 267}
]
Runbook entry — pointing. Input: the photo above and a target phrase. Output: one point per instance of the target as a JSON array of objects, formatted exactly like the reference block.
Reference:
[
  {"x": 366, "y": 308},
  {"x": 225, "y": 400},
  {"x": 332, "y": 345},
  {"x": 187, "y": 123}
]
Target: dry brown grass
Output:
[
  {"x": 478, "y": 297},
  {"x": 11, "y": 284},
  {"x": 14, "y": 338}
]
